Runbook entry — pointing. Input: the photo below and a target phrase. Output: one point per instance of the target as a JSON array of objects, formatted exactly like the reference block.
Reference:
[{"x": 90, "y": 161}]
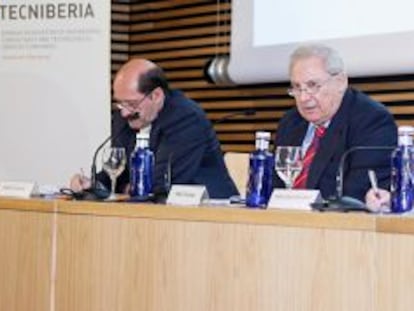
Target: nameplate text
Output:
[
  {"x": 300, "y": 199},
  {"x": 187, "y": 195},
  {"x": 16, "y": 189}
]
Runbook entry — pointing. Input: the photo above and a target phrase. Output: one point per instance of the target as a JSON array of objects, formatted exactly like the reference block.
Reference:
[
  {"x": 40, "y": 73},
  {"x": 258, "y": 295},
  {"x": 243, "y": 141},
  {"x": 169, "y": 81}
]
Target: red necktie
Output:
[{"x": 300, "y": 181}]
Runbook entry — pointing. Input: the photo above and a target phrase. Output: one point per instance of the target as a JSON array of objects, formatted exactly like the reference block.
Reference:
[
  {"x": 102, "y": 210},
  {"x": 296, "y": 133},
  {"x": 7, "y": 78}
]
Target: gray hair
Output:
[{"x": 331, "y": 58}]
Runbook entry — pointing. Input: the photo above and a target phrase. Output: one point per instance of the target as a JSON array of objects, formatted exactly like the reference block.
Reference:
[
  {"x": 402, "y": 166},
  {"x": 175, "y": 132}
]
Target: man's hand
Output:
[
  {"x": 79, "y": 182},
  {"x": 378, "y": 201}
]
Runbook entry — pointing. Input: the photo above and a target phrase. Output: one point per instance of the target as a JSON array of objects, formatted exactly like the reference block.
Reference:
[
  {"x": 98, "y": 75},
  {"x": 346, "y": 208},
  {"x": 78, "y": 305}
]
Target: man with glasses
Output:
[
  {"x": 330, "y": 118},
  {"x": 184, "y": 143}
]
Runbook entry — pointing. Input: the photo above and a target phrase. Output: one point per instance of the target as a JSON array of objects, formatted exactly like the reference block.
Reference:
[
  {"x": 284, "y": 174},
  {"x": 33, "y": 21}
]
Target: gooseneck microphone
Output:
[
  {"x": 133, "y": 116},
  {"x": 98, "y": 192},
  {"x": 93, "y": 166},
  {"x": 344, "y": 158},
  {"x": 341, "y": 202},
  {"x": 244, "y": 112},
  {"x": 95, "y": 155}
]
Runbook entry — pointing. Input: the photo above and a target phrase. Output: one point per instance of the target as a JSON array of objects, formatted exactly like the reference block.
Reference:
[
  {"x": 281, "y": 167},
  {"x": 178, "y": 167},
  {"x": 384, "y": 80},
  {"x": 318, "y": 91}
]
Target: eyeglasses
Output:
[
  {"x": 310, "y": 87},
  {"x": 131, "y": 104}
]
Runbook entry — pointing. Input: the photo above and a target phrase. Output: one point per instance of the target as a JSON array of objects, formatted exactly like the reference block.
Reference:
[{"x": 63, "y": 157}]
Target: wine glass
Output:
[
  {"x": 113, "y": 163},
  {"x": 288, "y": 163}
]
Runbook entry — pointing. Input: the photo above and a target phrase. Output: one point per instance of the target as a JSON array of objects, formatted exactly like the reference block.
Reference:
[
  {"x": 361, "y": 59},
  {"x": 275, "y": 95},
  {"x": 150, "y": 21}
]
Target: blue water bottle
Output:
[
  {"x": 141, "y": 168},
  {"x": 261, "y": 166},
  {"x": 401, "y": 182}
]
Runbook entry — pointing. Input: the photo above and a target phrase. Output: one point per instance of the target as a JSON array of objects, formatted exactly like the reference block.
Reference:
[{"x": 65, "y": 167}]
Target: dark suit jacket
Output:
[
  {"x": 181, "y": 137},
  {"x": 360, "y": 121}
]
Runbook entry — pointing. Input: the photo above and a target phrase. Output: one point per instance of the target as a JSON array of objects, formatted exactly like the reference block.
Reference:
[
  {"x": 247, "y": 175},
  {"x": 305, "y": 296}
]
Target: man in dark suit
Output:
[
  {"x": 184, "y": 143},
  {"x": 347, "y": 117}
]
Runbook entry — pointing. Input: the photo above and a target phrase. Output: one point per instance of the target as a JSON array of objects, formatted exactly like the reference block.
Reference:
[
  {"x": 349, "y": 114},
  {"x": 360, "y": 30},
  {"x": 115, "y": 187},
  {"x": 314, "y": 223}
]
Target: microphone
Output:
[
  {"x": 98, "y": 191},
  {"x": 244, "y": 112},
  {"x": 346, "y": 203}
]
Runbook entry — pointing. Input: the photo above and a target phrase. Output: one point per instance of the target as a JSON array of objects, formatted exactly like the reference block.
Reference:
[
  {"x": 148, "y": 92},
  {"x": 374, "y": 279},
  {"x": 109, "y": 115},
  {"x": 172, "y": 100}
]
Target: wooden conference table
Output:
[{"x": 66, "y": 255}]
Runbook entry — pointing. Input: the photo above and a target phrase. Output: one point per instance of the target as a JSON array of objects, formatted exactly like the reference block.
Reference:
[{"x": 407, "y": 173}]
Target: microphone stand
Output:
[
  {"x": 340, "y": 175},
  {"x": 346, "y": 203},
  {"x": 96, "y": 190},
  {"x": 93, "y": 166},
  {"x": 245, "y": 112}
]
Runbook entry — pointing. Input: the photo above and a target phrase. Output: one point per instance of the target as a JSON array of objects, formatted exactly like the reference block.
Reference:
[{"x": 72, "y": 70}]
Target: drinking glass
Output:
[
  {"x": 288, "y": 163},
  {"x": 113, "y": 163}
]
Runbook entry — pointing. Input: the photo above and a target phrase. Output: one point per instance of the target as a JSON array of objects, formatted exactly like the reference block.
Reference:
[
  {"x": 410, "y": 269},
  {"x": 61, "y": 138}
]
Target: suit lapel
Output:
[
  {"x": 154, "y": 136},
  {"x": 328, "y": 143},
  {"x": 296, "y": 134},
  {"x": 325, "y": 153}
]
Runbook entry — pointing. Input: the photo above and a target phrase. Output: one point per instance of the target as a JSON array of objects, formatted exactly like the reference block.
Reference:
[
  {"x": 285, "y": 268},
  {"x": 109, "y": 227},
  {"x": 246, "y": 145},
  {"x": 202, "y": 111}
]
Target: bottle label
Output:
[
  {"x": 401, "y": 180},
  {"x": 260, "y": 183},
  {"x": 141, "y": 172},
  {"x": 262, "y": 144}
]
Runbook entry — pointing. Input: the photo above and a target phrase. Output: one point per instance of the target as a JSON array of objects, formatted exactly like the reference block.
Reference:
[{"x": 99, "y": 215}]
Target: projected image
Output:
[
  {"x": 366, "y": 33},
  {"x": 280, "y": 22}
]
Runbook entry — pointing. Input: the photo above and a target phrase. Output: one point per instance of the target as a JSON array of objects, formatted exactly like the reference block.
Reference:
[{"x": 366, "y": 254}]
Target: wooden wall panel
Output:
[
  {"x": 182, "y": 36},
  {"x": 115, "y": 263},
  {"x": 25, "y": 260}
]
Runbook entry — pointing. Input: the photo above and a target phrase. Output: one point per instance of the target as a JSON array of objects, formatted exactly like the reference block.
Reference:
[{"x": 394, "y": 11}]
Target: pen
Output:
[
  {"x": 82, "y": 177},
  {"x": 374, "y": 183}
]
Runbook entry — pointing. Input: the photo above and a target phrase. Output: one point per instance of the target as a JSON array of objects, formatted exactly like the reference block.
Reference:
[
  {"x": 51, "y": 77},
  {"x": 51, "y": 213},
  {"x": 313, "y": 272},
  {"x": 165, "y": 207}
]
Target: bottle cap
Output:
[
  {"x": 262, "y": 140},
  {"x": 263, "y": 135},
  {"x": 142, "y": 140},
  {"x": 405, "y": 135},
  {"x": 140, "y": 135},
  {"x": 405, "y": 129}
]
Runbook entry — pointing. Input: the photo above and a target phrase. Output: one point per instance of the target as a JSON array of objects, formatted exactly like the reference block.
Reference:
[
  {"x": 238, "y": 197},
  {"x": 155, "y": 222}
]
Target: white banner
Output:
[{"x": 54, "y": 87}]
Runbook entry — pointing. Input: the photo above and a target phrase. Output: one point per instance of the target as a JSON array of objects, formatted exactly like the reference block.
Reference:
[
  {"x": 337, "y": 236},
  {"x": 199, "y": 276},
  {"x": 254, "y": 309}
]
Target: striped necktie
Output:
[{"x": 300, "y": 181}]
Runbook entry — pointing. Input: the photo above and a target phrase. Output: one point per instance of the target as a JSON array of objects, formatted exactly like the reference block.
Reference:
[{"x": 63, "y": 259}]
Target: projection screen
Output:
[{"x": 374, "y": 37}]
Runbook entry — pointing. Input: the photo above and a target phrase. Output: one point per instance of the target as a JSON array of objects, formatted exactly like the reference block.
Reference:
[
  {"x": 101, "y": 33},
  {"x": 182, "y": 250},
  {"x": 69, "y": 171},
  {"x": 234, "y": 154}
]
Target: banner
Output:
[{"x": 54, "y": 87}]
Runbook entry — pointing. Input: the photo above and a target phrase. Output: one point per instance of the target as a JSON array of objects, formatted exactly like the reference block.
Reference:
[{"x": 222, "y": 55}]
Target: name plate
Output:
[
  {"x": 187, "y": 195},
  {"x": 299, "y": 199},
  {"x": 16, "y": 189}
]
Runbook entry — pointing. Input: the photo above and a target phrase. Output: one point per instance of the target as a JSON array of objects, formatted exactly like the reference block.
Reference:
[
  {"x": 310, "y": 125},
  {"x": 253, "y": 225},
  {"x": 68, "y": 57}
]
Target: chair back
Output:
[{"x": 238, "y": 166}]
